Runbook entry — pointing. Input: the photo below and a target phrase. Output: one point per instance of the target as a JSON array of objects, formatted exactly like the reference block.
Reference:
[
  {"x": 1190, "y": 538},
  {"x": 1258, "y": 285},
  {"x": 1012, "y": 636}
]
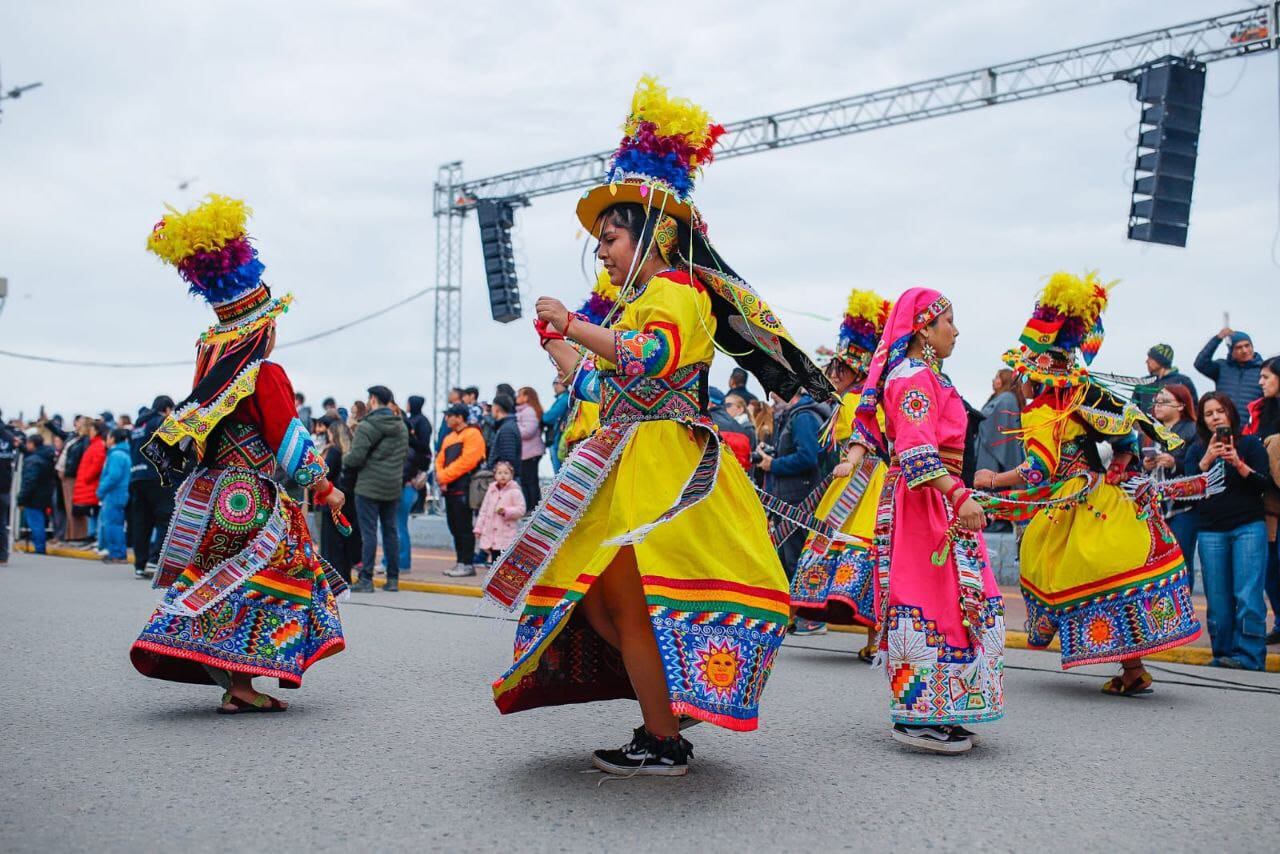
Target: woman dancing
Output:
[
  {"x": 248, "y": 593},
  {"x": 647, "y": 571}
]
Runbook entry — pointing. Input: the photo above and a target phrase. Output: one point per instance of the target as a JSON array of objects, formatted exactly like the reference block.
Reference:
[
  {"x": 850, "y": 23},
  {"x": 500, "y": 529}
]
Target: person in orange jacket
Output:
[{"x": 461, "y": 452}]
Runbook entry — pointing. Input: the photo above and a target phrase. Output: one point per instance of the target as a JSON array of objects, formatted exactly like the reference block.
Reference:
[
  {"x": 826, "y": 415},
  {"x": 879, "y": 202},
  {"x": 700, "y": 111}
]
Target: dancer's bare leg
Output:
[{"x": 616, "y": 608}]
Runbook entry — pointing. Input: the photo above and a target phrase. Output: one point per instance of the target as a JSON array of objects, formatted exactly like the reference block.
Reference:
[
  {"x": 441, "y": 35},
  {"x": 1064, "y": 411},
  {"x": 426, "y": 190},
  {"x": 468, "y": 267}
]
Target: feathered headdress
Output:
[
  {"x": 864, "y": 319},
  {"x": 601, "y": 300},
  {"x": 1067, "y": 317},
  {"x": 667, "y": 142},
  {"x": 210, "y": 247}
]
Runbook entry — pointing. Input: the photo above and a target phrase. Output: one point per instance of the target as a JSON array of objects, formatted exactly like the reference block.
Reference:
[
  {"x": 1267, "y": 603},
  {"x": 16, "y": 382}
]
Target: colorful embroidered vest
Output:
[
  {"x": 681, "y": 396},
  {"x": 239, "y": 445}
]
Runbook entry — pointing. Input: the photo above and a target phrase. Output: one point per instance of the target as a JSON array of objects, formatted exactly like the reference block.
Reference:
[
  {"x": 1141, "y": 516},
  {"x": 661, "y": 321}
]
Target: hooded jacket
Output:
[
  {"x": 113, "y": 486},
  {"x": 38, "y": 479},
  {"x": 95, "y": 456},
  {"x": 377, "y": 454}
]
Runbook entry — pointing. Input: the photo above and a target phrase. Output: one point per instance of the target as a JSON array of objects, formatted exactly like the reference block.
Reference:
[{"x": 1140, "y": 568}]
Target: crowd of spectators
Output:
[{"x": 86, "y": 483}]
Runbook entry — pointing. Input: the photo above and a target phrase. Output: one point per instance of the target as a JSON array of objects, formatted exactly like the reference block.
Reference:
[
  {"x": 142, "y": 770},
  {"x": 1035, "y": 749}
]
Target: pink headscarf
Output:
[{"x": 913, "y": 311}]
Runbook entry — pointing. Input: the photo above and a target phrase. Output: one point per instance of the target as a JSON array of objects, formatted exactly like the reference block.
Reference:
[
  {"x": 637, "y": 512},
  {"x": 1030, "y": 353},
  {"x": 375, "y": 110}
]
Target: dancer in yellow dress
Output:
[
  {"x": 647, "y": 571},
  {"x": 1100, "y": 568},
  {"x": 835, "y": 579}
]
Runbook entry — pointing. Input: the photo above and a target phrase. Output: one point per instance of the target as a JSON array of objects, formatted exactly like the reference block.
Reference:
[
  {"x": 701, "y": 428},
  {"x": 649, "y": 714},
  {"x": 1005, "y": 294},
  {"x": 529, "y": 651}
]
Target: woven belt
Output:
[{"x": 680, "y": 396}]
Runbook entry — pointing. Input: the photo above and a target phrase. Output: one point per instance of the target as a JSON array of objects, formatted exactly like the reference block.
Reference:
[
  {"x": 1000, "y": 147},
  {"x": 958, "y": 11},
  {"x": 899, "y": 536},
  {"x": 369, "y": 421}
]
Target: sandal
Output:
[
  {"x": 867, "y": 654},
  {"x": 1115, "y": 686},
  {"x": 262, "y": 703}
]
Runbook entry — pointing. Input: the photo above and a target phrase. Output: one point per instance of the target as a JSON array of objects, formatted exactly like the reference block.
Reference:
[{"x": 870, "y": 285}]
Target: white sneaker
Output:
[
  {"x": 461, "y": 570},
  {"x": 939, "y": 739}
]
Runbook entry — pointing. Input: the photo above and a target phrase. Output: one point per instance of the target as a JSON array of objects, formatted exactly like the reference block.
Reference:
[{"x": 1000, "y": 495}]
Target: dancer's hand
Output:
[
  {"x": 843, "y": 469},
  {"x": 984, "y": 479},
  {"x": 552, "y": 311},
  {"x": 971, "y": 515},
  {"x": 335, "y": 500}
]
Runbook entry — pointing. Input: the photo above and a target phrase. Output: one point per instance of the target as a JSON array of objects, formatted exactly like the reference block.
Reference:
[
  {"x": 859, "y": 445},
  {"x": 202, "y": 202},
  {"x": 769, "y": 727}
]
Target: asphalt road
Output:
[{"x": 395, "y": 745}]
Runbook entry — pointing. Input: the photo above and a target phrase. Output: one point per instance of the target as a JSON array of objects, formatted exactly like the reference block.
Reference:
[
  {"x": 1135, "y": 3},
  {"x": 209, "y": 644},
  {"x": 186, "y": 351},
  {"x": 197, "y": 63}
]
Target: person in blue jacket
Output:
[
  {"x": 794, "y": 465},
  {"x": 553, "y": 421},
  {"x": 113, "y": 494},
  {"x": 1237, "y": 376}
]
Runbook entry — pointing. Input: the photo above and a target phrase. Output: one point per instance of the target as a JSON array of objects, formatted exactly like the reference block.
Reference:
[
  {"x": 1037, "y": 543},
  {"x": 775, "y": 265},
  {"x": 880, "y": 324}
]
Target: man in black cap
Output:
[{"x": 1161, "y": 371}]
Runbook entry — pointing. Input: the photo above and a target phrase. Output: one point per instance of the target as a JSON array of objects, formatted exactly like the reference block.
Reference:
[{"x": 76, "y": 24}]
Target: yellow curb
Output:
[
  {"x": 65, "y": 551},
  {"x": 1197, "y": 655},
  {"x": 434, "y": 587}
]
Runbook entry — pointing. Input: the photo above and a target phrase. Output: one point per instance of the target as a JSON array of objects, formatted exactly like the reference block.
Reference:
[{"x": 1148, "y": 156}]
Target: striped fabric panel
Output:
[
  {"x": 566, "y": 500},
  {"x": 852, "y": 493},
  {"x": 229, "y": 575},
  {"x": 186, "y": 530}
]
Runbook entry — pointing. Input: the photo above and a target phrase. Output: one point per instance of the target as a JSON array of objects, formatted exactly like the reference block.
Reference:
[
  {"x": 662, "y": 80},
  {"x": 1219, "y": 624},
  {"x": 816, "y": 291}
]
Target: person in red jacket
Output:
[{"x": 84, "y": 498}]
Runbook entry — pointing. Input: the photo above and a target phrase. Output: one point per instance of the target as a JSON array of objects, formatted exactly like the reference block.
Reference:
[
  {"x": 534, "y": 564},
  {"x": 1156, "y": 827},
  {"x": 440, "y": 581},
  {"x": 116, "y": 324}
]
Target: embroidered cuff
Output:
[
  {"x": 298, "y": 457},
  {"x": 921, "y": 464},
  {"x": 586, "y": 383},
  {"x": 1033, "y": 471}
]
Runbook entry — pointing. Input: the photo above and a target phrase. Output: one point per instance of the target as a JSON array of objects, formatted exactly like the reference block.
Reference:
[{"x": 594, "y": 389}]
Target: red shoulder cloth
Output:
[{"x": 680, "y": 277}]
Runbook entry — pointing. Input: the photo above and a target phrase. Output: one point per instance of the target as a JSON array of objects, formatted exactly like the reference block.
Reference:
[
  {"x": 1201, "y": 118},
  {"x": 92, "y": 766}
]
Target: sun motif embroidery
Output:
[
  {"x": 720, "y": 665},
  {"x": 1099, "y": 632},
  {"x": 915, "y": 405}
]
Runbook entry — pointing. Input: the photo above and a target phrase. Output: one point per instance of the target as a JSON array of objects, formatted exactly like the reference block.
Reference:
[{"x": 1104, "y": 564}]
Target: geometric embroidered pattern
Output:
[
  {"x": 934, "y": 683},
  {"x": 240, "y": 445}
]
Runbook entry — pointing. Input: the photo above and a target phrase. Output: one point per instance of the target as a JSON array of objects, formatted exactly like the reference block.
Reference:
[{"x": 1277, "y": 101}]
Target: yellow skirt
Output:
[
  {"x": 1106, "y": 574},
  {"x": 716, "y": 590},
  {"x": 835, "y": 581}
]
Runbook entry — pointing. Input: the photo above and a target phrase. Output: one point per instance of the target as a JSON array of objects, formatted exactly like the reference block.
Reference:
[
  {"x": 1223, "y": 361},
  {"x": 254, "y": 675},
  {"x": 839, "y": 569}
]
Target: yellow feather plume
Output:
[
  {"x": 1075, "y": 296},
  {"x": 206, "y": 227},
  {"x": 673, "y": 116},
  {"x": 869, "y": 306}
]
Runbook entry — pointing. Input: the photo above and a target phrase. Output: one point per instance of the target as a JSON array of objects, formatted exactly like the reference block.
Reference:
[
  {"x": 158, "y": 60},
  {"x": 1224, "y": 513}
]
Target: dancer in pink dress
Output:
[{"x": 941, "y": 615}]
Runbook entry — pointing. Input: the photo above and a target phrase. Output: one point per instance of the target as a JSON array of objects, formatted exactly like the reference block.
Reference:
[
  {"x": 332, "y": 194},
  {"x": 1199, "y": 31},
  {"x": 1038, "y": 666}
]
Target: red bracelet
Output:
[
  {"x": 961, "y": 498},
  {"x": 321, "y": 497},
  {"x": 955, "y": 484},
  {"x": 546, "y": 333},
  {"x": 567, "y": 323}
]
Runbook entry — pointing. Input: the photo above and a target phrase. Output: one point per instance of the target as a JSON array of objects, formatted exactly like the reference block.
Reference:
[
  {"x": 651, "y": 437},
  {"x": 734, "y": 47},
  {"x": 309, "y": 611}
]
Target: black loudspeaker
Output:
[
  {"x": 496, "y": 217},
  {"x": 1168, "y": 142}
]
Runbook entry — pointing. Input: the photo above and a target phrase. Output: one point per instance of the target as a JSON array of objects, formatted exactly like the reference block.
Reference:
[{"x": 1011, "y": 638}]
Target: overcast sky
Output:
[{"x": 332, "y": 118}]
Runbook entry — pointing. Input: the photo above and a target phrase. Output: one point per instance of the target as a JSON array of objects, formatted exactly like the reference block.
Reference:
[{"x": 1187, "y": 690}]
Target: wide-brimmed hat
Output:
[{"x": 667, "y": 143}]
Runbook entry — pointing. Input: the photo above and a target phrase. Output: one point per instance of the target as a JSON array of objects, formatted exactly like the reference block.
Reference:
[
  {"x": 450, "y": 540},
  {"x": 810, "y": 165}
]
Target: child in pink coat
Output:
[{"x": 501, "y": 512}]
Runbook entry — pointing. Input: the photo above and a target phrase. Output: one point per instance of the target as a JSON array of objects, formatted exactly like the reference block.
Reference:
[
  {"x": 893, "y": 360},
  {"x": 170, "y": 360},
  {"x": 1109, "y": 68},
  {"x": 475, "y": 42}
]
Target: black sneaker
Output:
[
  {"x": 647, "y": 755},
  {"x": 364, "y": 585},
  {"x": 939, "y": 739},
  {"x": 1273, "y": 638},
  {"x": 392, "y": 585},
  {"x": 141, "y": 573}
]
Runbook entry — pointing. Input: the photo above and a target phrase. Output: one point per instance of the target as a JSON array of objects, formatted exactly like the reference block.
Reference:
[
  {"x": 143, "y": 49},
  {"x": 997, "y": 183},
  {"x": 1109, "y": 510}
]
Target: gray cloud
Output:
[{"x": 331, "y": 118}]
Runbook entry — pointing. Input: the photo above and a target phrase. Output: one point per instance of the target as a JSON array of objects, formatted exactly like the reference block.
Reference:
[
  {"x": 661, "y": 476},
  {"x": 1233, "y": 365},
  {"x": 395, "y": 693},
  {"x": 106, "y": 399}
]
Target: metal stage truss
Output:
[{"x": 1248, "y": 31}]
